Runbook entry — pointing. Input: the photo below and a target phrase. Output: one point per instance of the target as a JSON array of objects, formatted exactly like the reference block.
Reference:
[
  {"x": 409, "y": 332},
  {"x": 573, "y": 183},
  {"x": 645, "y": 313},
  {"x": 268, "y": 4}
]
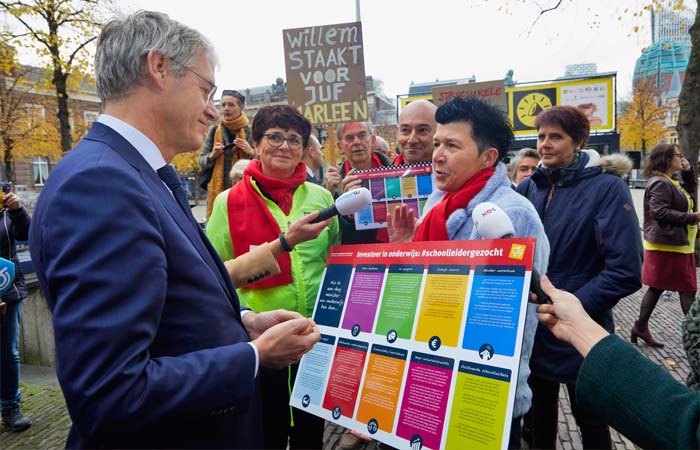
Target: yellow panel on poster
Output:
[
  {"x": 479, "y": 410},
  {"x": 442, "y": 308}
]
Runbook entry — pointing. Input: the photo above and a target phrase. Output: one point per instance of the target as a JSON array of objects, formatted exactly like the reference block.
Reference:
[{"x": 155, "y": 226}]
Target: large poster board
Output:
[
  {"x": 409, "y": 184},
  {"x": 326, "y": 72},
  {"x": 420, "y": 342}
]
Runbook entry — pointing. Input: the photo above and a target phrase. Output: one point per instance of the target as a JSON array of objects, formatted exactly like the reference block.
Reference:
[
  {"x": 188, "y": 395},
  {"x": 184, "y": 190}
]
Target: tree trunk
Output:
[
  {"x": 59, "y": 79},
  {"x": 689, "y": 116},
  {"x": 689, "y": 99}
]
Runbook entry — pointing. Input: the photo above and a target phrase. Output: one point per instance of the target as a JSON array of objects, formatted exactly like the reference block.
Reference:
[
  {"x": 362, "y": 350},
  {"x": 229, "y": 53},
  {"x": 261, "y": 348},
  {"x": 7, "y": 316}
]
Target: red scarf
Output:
[
  {"x": 253, "y": 223},
  {"x": 434, "y": 225},
  {"x": 376, "y": 162},
  {"x": 399, "y": 160}
]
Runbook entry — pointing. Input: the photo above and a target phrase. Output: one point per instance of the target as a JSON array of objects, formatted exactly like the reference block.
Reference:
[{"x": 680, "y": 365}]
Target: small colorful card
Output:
[{"x": 391, "y": 186}]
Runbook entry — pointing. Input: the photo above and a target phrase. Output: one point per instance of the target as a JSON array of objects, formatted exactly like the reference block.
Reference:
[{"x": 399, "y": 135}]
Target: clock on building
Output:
[{"x": 528, "y": 104}]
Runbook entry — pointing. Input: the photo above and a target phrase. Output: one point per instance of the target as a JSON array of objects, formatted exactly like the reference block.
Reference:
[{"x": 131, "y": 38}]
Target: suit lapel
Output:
[{"x": 162, "y": 194}]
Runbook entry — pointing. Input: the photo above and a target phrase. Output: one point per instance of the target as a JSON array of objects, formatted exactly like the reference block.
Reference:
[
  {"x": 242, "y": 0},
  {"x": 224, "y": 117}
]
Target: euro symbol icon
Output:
[{"x": 434, "y": 343}]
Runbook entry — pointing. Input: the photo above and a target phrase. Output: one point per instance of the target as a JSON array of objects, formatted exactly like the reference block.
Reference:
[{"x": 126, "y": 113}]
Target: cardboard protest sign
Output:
[
  {"x": 493, "y": 92},
  {"x": 326, "y": 72}
]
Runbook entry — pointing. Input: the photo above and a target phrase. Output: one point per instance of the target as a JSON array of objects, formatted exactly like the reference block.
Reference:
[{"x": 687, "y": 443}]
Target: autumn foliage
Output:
[
  {"x": 26, "y": 129},
  {"x": 641, "y": 123}
]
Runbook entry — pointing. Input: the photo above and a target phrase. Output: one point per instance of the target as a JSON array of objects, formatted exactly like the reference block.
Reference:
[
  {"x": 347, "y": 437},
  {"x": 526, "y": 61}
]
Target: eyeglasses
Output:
[
  {"x": 212, "y": 90},
  {"x": 276, "y": 140},
  {"x": 362, "y": 135}
]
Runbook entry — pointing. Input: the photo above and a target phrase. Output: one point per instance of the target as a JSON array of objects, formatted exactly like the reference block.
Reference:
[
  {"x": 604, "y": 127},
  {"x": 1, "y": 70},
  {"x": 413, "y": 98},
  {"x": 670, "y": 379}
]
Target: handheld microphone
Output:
[
  {"x": 493, "y": 223},
  {"x": 348, "y": 203},
  {"x": 7, "y": 275}
]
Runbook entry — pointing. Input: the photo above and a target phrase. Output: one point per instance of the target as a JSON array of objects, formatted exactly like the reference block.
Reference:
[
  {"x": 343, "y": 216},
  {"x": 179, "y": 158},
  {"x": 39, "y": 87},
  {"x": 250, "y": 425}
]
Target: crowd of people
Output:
[{"x": 171, "y": 336}]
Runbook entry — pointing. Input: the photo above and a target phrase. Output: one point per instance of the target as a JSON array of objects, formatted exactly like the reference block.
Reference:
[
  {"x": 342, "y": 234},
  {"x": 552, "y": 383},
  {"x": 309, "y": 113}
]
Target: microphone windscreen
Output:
[
  {"x": 7, "y": 275},
  {"x": 353, "y": 201},
  {"x": 491, "y": 221}
]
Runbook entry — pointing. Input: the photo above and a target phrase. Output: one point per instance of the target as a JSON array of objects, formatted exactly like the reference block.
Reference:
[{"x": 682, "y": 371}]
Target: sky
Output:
[{"x": 423, "y": 40}]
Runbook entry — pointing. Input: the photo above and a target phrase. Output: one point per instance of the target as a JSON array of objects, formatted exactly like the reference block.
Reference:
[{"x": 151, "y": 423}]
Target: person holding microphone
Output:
[
  {"x": 15, "y": 226},
  {"x": 653, "y": 410},
  {"x": 471, "y": 140}
]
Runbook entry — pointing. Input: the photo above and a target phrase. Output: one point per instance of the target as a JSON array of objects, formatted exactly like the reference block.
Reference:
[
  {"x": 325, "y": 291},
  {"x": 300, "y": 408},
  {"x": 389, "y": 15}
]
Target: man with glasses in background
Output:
[
  {"x": 152, "y": 346},
  {"x": 355, "y": 141},
  {"x": 225, "y": 144}
]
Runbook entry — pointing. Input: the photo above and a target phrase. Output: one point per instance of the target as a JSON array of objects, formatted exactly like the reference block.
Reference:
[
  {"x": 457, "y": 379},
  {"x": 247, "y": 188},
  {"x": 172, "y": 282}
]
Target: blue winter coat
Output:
[{"x": 596, "y": 248}]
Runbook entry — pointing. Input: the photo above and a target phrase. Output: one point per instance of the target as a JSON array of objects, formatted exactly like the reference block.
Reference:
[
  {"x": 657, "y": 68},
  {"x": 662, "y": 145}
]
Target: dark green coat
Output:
[{"x": 637, "y": 397}]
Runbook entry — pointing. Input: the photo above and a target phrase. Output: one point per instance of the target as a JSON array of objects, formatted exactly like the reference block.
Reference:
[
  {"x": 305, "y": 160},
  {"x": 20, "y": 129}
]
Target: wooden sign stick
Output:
[{"x": 332, "y": 145}]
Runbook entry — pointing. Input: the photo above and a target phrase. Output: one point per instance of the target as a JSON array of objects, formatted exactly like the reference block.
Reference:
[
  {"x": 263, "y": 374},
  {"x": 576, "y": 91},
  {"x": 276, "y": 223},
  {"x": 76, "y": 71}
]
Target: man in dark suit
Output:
[{"x": 153, "y": 350}]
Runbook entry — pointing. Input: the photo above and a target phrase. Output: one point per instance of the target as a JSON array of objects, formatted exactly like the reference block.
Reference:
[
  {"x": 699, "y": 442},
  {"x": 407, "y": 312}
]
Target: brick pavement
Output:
[{"x": 47, "y": 409}]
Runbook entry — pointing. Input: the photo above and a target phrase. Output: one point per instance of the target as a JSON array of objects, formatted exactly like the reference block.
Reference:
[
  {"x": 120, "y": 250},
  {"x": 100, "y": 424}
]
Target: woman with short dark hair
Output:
[
  {"x": 471, "y": 140},
  {"x": 670, "y": 227},
  {"x": 593, "y": 231}
]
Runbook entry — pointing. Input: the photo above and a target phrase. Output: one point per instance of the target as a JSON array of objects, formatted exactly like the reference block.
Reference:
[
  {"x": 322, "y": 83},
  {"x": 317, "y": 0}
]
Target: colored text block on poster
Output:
[
  {"x": 380, "y": 392},
  {"x": 479, "y": 408},
  {"x": 443, "y": 303}
]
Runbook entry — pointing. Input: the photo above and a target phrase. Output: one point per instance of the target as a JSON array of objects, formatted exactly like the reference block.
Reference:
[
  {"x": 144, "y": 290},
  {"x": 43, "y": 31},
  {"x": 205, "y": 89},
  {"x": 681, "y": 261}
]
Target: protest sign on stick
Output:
[{"x": 326, "y": 72}]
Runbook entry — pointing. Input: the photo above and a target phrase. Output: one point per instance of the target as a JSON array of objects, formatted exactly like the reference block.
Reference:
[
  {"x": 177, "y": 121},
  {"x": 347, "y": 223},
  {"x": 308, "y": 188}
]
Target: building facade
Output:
[
  {"x": 35, "y": 103},
  {"x": 665, "y": 61}
]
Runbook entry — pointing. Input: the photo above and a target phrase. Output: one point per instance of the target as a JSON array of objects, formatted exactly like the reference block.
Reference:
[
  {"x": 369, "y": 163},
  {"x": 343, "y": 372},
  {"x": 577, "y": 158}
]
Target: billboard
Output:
[
  {"x": 326, "y": 72},
  {"x": 405, "y": 100},
  {"x": 493, "y": 92},
  {"x": 595, "y": 96}
]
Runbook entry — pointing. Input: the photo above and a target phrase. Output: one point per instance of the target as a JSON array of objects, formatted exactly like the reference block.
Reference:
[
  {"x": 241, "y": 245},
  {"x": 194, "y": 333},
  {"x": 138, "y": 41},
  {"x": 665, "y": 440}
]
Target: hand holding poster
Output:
[{"x": 326, "y": 72}]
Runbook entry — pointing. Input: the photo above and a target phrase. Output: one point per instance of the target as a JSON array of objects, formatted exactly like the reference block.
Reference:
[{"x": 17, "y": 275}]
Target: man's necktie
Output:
[{"x": 169, "y": 176}]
